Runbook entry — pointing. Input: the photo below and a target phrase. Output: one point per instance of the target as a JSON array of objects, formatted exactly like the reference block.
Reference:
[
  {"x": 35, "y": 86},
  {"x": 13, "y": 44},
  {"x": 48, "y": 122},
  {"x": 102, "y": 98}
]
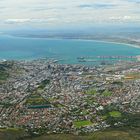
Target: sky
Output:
[{"x": 67, "y": 13}]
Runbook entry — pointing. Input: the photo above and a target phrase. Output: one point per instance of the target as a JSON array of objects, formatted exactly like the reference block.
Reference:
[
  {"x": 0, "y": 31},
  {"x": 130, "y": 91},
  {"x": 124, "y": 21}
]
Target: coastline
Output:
[
  {"x": 108, "y": 42},
  {"x": 78, "y": 39}
]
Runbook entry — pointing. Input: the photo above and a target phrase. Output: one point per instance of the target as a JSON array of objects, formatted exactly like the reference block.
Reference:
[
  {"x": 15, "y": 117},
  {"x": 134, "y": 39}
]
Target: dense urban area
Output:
[{"x": 44, "y": 97}]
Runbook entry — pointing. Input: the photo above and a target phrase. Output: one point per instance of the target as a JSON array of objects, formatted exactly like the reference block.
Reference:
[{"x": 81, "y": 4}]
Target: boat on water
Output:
[
  {"x": 82, "y": 60},
  {"x": 80, "y": 57},
  {"x": 87, "y": 60}
]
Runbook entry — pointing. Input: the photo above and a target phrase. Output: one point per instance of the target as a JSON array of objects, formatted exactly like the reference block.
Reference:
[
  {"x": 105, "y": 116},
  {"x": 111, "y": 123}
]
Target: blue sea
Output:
[{"x": 67, "y": 51}]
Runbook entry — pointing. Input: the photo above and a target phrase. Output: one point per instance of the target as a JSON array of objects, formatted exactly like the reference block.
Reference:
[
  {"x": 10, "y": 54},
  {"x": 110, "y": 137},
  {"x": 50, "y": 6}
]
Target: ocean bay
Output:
[{"x": 66, "y": 50}]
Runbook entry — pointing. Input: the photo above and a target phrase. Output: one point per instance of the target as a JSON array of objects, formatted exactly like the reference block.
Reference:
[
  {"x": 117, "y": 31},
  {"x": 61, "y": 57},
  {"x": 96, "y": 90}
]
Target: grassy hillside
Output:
[
  {"x": 103, "y": 135},
  {"x": 110, "y": 134}
]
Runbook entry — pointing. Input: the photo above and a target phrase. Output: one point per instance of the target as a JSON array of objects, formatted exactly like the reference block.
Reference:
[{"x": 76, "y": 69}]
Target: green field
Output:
[
  {"x": 115, "y": 114},
  {"x": 91, "y": 92},
  {"x": 79, "y": 124},
  {"x": 36, "y": 99},
  {"x": 107, "y": 93}
]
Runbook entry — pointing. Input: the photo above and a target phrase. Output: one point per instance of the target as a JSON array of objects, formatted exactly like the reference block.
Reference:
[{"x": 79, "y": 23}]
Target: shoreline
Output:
[
  {"x": 71, "y": 39},
  {"x": 78, "y": 39}
]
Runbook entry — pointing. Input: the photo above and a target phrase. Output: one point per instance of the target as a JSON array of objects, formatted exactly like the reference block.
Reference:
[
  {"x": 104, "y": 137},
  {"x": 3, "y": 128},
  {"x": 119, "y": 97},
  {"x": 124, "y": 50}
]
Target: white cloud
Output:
[
  {"x": 63, "y": 12},
  {"x": 16, "y": 20}
]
